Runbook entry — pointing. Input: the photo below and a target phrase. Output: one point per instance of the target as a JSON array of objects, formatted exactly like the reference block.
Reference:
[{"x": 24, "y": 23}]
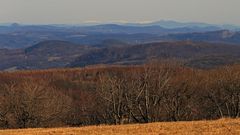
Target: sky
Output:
[{"x": 105, "y": 11}]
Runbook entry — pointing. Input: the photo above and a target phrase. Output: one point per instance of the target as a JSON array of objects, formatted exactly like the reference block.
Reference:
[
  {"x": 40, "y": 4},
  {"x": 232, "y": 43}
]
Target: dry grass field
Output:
[{"x": 218, "y": 127}]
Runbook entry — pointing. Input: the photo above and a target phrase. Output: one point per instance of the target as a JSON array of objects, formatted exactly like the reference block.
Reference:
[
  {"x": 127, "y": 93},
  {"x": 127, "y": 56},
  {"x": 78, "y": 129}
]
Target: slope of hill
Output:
[
  {"x": 48, "y": 54},
  {"x": 138, "y": 54},
  {"x": 57, "y": 54},
  {"x": 217, "y": 127}
]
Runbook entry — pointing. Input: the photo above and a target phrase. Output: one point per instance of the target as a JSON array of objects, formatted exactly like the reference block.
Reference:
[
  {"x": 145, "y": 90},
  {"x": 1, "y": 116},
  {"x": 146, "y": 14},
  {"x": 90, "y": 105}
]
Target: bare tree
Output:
[
  {"x": 136, "y": 96},
  {"x": 149, "y": 88},
  {"x": 224, "y": 92},
  {"x": 113, "y": 90},
  {"x": 34, "y": 104}
]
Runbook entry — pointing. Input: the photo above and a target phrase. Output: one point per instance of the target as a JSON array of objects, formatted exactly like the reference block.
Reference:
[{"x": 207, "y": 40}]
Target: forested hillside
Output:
[{"x": 118, "y": 94}]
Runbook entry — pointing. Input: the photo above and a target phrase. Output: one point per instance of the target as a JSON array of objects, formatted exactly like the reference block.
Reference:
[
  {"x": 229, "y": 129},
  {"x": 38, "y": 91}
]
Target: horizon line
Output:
[{"x": 120, "y": 22}]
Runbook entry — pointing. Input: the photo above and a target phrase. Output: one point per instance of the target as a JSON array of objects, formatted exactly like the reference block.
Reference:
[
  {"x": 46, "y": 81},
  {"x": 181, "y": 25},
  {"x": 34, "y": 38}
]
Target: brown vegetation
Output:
[
  {"x": 219, "y": 127},
  {"x": 118, "y": 95}
]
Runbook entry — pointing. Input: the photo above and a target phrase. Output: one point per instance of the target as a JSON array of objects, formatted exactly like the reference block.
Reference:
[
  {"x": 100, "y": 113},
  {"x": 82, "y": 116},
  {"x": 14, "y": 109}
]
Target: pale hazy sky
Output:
[{"x": 79, "y": 11}]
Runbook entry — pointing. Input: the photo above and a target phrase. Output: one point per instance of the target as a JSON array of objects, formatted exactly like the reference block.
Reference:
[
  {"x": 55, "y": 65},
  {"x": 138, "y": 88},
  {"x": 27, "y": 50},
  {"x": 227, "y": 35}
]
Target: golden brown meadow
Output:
[{"x": 217, "y": 127}]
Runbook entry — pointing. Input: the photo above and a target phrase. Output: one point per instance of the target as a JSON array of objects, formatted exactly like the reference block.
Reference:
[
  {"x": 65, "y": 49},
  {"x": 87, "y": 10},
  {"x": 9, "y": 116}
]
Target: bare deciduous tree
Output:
[{"x": 34, "y": 104}]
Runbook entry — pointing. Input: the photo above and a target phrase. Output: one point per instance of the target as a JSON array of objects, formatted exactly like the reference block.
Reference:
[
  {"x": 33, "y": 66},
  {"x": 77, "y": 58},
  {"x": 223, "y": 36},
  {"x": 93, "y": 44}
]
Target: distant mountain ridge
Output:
[
  {"x": 175, "y": 24},
  {"x": 21, "y": 36},
  {"x": 222, "y": 36},
  {"x": 56, "y": 46}
]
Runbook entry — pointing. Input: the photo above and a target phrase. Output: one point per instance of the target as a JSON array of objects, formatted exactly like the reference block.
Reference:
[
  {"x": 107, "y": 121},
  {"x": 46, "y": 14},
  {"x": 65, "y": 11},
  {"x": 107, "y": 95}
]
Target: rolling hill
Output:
[
  {"x": 47, "y": 54},
  {"x": 59, "y": 54},
  {"x": 185, "y": 50}
]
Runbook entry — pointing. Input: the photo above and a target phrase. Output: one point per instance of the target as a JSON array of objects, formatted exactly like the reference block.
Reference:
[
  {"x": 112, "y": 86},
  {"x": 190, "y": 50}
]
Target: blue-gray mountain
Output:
[
  {"x": 22, "y": 36},
  {"x": 57, "y": 46}
]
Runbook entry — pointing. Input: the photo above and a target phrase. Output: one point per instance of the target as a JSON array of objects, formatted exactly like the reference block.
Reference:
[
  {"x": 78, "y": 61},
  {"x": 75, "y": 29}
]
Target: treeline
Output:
[{"x": 118, "y": 95}]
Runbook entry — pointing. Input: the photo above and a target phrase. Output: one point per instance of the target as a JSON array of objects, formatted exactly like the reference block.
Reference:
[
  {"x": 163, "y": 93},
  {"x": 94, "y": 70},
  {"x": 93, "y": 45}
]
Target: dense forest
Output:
[{"x": 97, "y": 95}]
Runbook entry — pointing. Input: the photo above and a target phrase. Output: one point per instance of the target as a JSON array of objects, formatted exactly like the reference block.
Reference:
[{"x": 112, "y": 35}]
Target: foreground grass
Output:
[{"x": 218, "y": 127}]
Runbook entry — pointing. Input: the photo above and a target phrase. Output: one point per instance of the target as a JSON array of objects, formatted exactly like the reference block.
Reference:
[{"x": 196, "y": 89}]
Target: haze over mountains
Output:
[
  {"x": 53, "y": 46},
  {"x": 174, "y": 24}
]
